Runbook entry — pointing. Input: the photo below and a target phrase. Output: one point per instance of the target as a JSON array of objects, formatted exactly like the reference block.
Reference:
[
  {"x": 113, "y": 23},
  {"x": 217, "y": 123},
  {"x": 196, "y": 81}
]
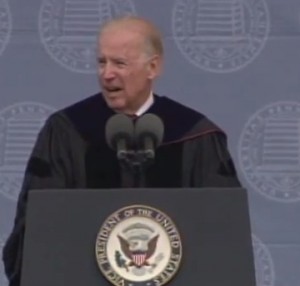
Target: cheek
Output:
[{"x": 136, "y": 81}]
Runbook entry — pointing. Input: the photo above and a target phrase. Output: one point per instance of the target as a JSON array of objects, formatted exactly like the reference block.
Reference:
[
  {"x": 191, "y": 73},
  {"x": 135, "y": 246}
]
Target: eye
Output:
[
  {"x": 101, "y": 61},
  {"x": 120, "y": 63}
]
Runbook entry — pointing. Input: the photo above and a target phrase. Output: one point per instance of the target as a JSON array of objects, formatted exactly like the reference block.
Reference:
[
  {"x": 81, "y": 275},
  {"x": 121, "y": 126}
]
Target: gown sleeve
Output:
[
  {"x": 49, "y": 166},
  {"x": 212, "y": 164}
]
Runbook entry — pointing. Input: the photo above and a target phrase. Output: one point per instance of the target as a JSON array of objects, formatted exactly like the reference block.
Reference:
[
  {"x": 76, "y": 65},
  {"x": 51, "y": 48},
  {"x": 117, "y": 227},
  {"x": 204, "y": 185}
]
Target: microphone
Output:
[
  {"x": 149, "y": 131},
  {"x": 119, "y": 134}
]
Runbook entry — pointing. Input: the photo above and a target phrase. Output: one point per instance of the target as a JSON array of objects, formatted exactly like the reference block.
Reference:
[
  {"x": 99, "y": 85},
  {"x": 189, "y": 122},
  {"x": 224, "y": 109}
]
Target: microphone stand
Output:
[
  {"x": 139, "y": 180},
  {"x": 141, "y": 163},
  {"x": 137, "y": 162}
]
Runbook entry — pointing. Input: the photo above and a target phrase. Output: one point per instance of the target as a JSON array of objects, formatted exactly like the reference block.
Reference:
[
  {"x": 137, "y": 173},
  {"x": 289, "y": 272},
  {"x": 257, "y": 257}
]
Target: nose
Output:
[{"x": 107, "y": 71}]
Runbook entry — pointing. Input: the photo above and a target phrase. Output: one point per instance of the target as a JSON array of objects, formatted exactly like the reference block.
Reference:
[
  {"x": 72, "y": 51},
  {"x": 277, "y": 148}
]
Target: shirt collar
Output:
[{"x": 146, "y": 105}]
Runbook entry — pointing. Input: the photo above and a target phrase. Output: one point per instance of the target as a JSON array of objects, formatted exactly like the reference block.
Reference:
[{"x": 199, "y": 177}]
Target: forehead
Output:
[{"x": 120, "y": 42}]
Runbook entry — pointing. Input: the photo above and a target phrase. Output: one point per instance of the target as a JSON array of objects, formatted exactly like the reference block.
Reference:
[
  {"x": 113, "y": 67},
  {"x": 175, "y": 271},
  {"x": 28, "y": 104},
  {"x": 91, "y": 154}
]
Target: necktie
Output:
[{"x": 133, "y": 117}]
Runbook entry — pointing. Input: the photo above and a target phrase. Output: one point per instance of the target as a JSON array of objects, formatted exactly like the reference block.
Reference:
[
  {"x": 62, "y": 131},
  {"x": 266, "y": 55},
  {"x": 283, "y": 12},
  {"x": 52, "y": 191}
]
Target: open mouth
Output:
[{"x": 113, "y": 89}]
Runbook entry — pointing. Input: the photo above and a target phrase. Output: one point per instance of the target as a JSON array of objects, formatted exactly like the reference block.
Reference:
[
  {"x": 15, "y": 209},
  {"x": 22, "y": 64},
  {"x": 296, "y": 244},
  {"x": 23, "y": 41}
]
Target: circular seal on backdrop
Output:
[
  {"x": 220, "y": 36},
  {"x": 3, "y": 278},
  {"x": 269, "y": 151},
  {"x": 138, "y": 244},
  {"x": 264, "y": 268},
  {"x": 5, "y": 25},
  {"x": 19, "y": 127},
  {"x": 69, "y": 29}
]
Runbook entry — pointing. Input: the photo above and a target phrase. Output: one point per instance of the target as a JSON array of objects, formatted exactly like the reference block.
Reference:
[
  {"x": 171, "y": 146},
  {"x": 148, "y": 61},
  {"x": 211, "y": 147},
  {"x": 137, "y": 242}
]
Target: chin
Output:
[{"x": 116, "y": 104}]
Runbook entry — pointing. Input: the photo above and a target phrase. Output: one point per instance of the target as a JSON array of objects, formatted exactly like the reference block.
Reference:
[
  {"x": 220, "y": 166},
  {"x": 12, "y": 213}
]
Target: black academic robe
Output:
[{"x": 71, "y": 152}]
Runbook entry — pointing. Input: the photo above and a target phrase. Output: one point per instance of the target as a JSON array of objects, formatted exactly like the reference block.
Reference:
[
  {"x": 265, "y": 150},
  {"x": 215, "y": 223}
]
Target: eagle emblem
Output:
[
  {"x": 138, "y": 245},
  {"x": 138, "y": 256}
]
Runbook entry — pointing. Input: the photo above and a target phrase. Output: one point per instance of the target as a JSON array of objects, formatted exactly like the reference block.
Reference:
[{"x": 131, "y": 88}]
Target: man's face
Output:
[{"x": 125, "y": 73}]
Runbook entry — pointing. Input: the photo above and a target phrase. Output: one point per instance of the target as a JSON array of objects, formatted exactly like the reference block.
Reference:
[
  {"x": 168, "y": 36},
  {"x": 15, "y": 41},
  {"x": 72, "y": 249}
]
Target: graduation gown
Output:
[{"x": 71, "y": 152}]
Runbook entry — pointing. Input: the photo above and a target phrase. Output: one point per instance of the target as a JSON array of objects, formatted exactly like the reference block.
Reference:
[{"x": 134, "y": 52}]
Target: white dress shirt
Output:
[{"x": 146, "y": 105}]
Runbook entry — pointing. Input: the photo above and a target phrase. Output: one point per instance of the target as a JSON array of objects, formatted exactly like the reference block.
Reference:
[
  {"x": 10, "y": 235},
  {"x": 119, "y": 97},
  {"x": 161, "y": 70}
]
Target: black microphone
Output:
[
  {"x": 119, "y": 133},
  {"x": 149, "y": 131}
]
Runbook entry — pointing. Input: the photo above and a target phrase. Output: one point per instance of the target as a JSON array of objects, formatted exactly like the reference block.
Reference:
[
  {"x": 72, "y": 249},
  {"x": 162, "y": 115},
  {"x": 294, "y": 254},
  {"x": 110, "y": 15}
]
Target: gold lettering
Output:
[
  {"x": 175, "y": 244},
  {"x": 168, "y": 271},
  {"x": 165, "y": 275},
  {"x": 102, "y": 258},
  {"x": 144, "y": 212},
  {"x": 174, "y": 237},
  {"x": 170, "y": 267},
  {"x": 159, "y": 217},
  {"x": 113, "y": 220},
  {"x": 115, "y": 278},
  {"x": 174, "y": 262},
  {"x": 128, "y": 213},
  {"x": 165, "y": 223},
  {"x": 175, "y": 257},
  {"x": 101, "y": 255}
]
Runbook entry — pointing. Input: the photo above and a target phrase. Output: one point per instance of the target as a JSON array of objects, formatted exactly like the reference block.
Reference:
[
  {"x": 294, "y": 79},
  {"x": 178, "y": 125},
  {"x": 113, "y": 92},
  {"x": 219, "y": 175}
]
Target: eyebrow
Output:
[{"x": 101, "y": 58}]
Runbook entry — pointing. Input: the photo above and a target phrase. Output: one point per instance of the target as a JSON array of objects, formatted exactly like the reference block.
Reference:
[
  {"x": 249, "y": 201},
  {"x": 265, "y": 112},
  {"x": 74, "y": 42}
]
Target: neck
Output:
[{"x": 140, "y": 107}]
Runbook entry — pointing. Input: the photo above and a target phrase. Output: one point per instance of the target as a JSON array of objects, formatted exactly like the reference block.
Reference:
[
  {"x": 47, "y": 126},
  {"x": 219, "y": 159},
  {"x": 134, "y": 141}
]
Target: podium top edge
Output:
[{"x": 224, "y": 189}]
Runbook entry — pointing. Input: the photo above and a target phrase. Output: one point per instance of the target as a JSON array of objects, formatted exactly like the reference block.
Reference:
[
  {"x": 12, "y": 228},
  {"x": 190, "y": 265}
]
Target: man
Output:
[{"x": 71, "y": 151}]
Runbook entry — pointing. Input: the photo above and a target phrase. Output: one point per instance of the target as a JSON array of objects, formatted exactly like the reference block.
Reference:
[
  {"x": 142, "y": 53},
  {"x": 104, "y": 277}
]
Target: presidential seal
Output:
[
  {"x": 138, "y": 245},
  {"x": 5, "y": 25},
  {"x": 220, "y": 36},
  {"x": 269, "y": 151},
  {"x": 69, "y": 29},
  {"x": 264, "y": 266},
  {"x": 19, "y": 126}
]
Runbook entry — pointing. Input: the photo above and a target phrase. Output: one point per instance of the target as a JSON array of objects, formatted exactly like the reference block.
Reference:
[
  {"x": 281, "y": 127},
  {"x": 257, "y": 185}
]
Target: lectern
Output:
[{"x": 102, "y": 237}]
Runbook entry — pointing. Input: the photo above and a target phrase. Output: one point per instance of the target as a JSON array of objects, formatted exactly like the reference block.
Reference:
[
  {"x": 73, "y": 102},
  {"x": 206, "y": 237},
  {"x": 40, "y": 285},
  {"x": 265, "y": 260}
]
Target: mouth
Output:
[{"x": 112, "y": 89}]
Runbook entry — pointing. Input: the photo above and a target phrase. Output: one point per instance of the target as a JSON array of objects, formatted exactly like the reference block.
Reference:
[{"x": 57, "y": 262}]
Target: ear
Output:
[{"x": 154, "y": 67}]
